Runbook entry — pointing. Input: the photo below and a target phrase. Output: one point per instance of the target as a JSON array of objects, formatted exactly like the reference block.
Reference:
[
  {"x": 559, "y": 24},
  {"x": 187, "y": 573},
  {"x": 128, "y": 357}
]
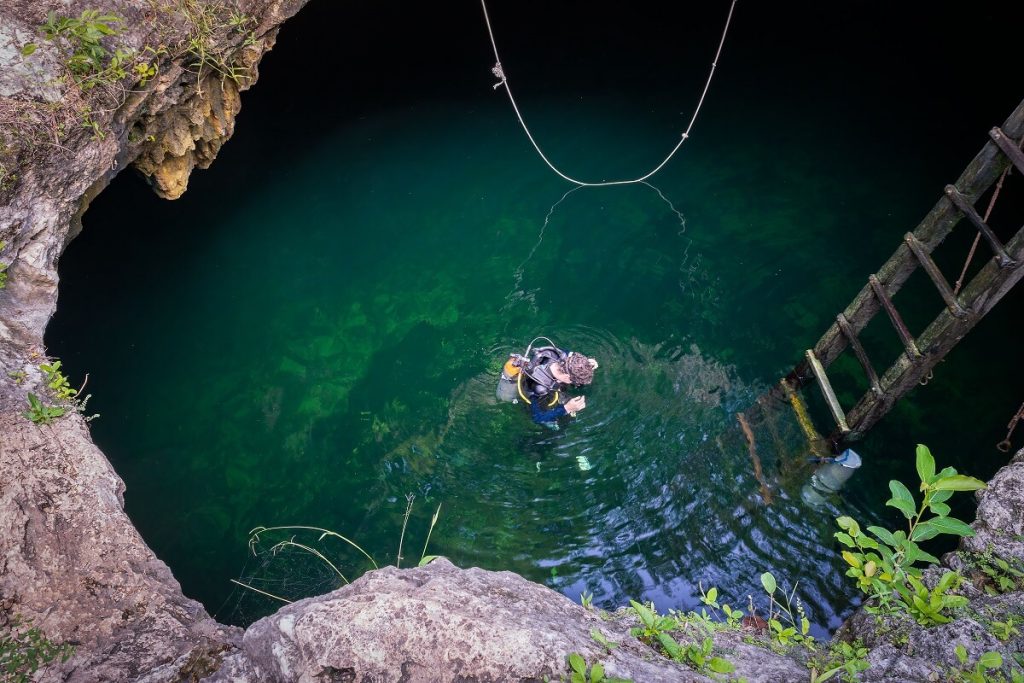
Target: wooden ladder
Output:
[{"x": 962, "y": 312}]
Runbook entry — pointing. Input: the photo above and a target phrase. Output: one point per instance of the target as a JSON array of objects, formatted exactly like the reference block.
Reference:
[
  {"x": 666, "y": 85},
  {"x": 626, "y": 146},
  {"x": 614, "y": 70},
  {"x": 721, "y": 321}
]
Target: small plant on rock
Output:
[
  {"x": 886, "y": 564},
  {"x": 39, "y": 413},
  {"x": 581, "y": 673},
  {"x": 24, "y": 650},
  {"x": 845, "y": 660}
]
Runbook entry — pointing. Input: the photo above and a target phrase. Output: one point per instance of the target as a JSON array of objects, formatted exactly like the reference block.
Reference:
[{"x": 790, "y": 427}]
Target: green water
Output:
[{"x": 313, "y": 344}]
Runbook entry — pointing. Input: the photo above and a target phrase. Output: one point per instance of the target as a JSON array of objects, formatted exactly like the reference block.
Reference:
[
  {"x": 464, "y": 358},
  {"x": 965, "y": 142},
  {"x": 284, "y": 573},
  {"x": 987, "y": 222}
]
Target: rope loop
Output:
[{"x": 499, "y": 73}]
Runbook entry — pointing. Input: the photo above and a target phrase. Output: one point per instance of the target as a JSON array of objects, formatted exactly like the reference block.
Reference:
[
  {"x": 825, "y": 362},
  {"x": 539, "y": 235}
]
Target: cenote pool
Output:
[{"x": 313, "y": 332}]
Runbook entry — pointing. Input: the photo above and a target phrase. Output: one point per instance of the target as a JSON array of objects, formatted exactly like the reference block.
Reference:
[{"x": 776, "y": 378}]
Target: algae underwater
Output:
[{"x": 319, "y": 331}]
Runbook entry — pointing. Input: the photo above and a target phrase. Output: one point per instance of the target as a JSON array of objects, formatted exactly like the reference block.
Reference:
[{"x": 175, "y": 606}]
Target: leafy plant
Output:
[
  {"x": 586, "y": 600},
  {"x": 990, "y": 661},
  {"x": 601, "y": 640},
  {"x": 581, "y": 673},
  {"x": 24, "y": 650},
  {"x": 654, "y": 630},
  {"x": 3, "y": 266},
  {"x": 40, "y": 413},
  {"x": 885, "y": 564},
  {"x": 844, "y": 659},
  {"x": 1004, "y": 630},
  {"x": 84, "y": 35},
  {"x": 57, "y": 382},
  {"x": 733, "y": 617},
  {"x": 996, "y": 574},
  {"x": 785, "y": 627}
]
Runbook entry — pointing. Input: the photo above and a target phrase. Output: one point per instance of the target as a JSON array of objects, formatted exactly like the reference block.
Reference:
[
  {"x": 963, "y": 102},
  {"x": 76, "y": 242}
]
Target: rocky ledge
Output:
[{"x": 70, "y": 559}]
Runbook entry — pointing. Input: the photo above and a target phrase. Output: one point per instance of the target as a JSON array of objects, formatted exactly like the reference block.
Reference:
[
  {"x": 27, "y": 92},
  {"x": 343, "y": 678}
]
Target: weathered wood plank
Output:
[
  {"x": 826, "y": 389},
  {"x": 967, "y": 209},
  {"x": 858, "y": 350},
  {"x": 938, "y": 279},
  {"x": 878, "y": 289},
  {"x": 1008, "y": 147}
]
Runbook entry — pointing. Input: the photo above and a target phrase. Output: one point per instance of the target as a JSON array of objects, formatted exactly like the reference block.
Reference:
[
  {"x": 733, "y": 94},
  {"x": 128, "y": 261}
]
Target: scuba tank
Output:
[{"x": 508, "y": 389}]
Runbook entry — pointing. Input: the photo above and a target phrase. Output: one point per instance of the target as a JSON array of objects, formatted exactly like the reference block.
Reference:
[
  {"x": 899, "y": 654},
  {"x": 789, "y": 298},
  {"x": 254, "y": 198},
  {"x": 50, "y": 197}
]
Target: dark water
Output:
[{"x": 313, "y": 331}]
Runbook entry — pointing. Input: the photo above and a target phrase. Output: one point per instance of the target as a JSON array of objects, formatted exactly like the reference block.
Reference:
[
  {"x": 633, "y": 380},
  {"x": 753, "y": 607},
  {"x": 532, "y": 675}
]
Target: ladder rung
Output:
[
  {"x": 1011, "y": 150},
  {"x": 938, "y": 279},
  {"x": 960, "y": 202},
  {"x": 858, "y": 350},
  {"x": 826, "y": 389},
  {"x": 894, "y": 317}
]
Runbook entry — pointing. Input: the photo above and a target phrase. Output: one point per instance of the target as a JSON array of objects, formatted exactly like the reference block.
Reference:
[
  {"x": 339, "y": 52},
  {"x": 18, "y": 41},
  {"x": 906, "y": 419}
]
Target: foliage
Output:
[
  {"x": 581, "y": 673},
  {"x": 81, "y": 38},
  {"x": 25, "y": 650},
  {"x": 994, "y": 574},
  {"x": 40, "y": 413},
  {"x": 785, "y": 627},
  {"x": 57, "y": 382},
  {"x": 3, "y": 266},
  {"x": 207, "y": 22},
  {"x": 886, "y": 567},
  {"x": 654, "y": 630},
  {"x": 844, "y": 659},
  {"x": 733, "y": 617},
  {"x": 601, "y": 640},
  {"x": 985, "y": 670}
]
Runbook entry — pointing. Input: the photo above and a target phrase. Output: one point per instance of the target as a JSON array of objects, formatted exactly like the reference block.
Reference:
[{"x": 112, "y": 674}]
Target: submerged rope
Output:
[{"x": 499, "y": 72}]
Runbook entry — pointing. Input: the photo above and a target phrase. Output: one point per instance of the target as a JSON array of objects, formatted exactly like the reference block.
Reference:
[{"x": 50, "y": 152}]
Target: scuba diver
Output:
[{"x": 537, "y": 377}]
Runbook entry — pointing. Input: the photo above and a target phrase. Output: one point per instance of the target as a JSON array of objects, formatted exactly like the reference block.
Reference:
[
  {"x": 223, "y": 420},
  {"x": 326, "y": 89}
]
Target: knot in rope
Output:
[{"x": 499, "y": 74}]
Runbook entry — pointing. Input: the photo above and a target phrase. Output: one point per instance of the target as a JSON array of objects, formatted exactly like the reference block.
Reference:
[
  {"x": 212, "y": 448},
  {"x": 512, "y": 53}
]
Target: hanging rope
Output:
[{"x": 499, "y": 73}]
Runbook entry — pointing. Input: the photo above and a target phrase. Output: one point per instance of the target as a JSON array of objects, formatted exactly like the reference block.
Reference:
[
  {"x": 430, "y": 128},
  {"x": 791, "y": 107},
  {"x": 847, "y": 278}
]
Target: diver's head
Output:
[{"x": 575, "y": 369}]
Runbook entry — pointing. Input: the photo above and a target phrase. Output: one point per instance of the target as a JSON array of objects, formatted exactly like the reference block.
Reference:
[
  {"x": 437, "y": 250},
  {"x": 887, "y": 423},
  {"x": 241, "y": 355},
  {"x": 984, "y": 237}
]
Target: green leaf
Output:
[
  {"x": 845, "y": 539},
  {"x": 670, "y": 645},
  {"x": 901, "y": 499},
  {"x": 961, "y": 653},
  {"x": 768, "y": 581},
  {"x": 646, "y": 616},
  {"x": 597, "y": 673},
  {"x": 950, "y": 525},
  {"x": 427, "y": 559},
  {"x": 925, "y": 464},
  {"x": 27, "y": 49},
  {"x": 947, "y": 580},
  {"x": 940, "y": 509},
  {"x": 712, "y": 594},
  {"x": 577, "y": 663},
  {"x": 925, "y": 531},
  {"x": 577, "y": 677},
  {"x": 883, "y": 535},
  {"x": 958, "y": 482},
  {"x": 991, "y": 660},
  {"x": 721, "y": 666},
  {"x": 848, "y": 524}
]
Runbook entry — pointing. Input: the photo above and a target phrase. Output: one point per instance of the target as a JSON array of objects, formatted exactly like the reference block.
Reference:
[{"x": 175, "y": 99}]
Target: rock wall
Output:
[{"x": 70, "y": 559}]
